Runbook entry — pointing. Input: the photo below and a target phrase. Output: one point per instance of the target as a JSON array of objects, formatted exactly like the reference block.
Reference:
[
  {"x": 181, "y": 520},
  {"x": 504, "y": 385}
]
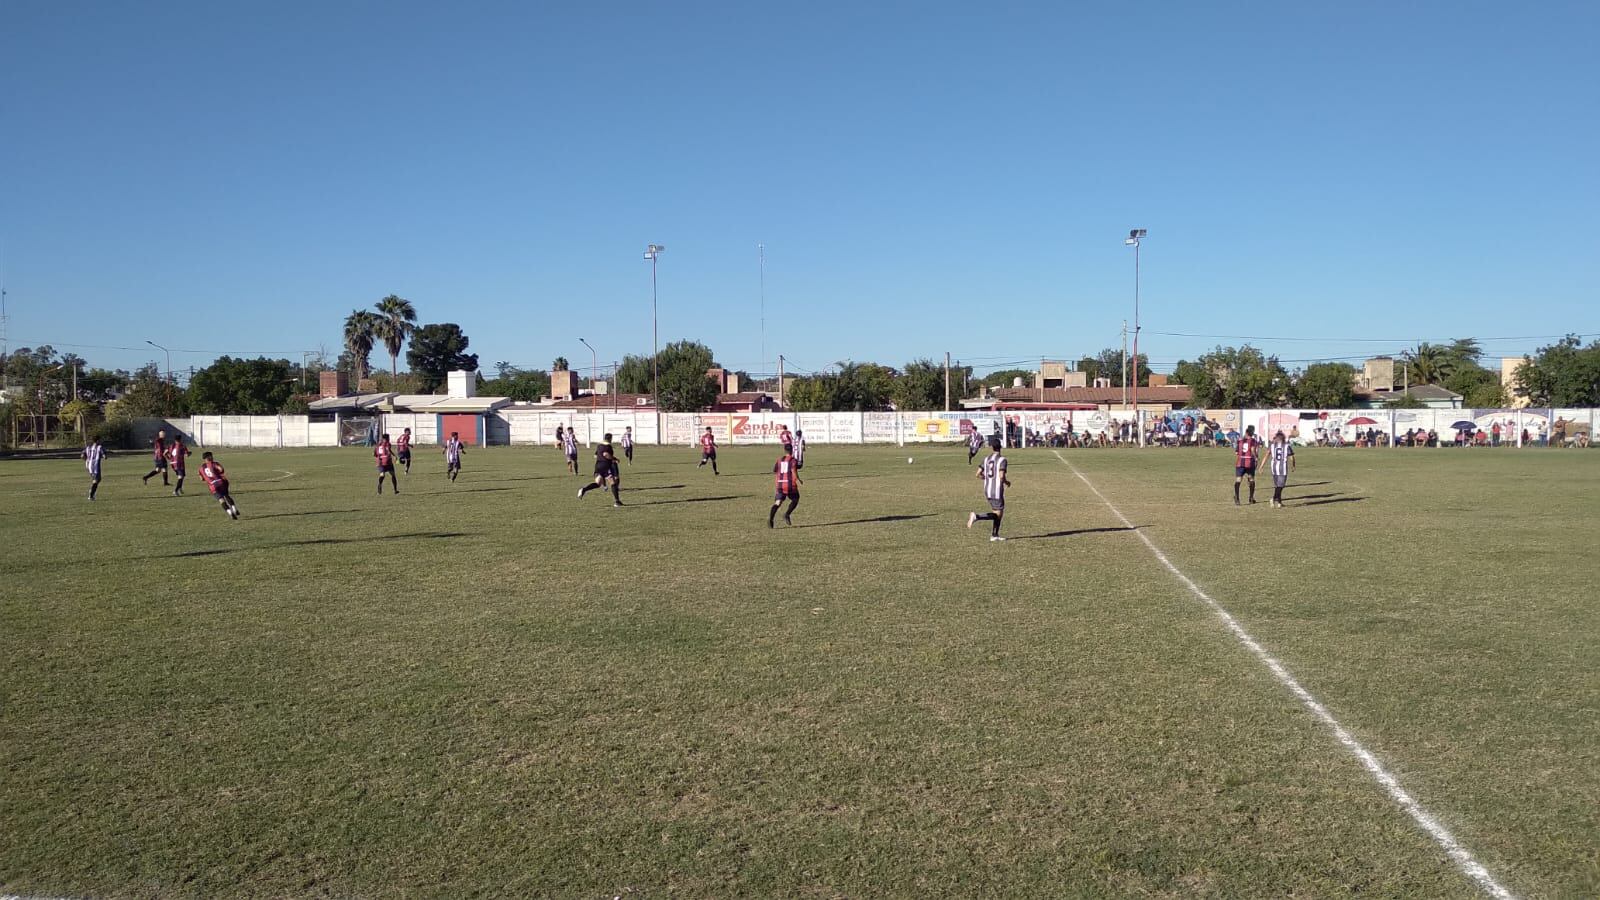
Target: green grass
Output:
[{"x": 491, "y": 687}]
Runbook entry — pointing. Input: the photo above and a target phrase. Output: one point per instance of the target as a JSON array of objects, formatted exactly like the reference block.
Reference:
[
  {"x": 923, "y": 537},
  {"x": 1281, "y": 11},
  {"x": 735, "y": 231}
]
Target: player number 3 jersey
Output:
[{"x": 994, "y": 477}]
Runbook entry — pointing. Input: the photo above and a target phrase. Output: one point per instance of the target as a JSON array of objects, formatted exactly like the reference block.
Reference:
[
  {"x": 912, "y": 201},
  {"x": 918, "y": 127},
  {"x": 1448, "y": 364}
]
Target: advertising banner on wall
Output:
[
  {"x": 680, "y": 428},
  {"x": 843, "y": 428},
  {"x": 761, "y": 428},
  {"x": 879, "y": 428}
]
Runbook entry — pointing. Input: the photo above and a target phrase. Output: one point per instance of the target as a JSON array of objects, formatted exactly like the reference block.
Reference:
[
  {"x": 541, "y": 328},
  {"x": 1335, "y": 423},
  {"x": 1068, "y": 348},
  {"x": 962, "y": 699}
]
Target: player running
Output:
[
  {"x": 160, "y": 447},
  {"x": 569, "y": 446},
  {"x": 404, "y": 450},
  {"x": 385, "y": 456},
  {"x": 93, "y": 454},
  {"x": 786, "y": 439},
  {"x": 1244, "y": 462},
  {"x": 1280, "y": 458},
  {"x": 799, "y": 449},
  {"x": 708, "y": 451},
  {"x": 176, "y": 454},
  {"x": 627, "y": 443},
  {"x": 992, "y": 472},
  {"x": 217, "y": 480},
  {"x": 452, "y": 456},
  {"x": 605, "y": 470},
  {"x": 974, "y": 444},
  {"x": 786, "y": 479}
]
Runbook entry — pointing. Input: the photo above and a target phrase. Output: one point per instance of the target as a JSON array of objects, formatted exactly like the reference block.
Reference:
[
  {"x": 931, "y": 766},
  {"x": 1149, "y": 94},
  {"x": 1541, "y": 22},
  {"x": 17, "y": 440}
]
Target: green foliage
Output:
[
  {"x": 297, "y": 405},
  {"x": 863, "y": 387},
  {"x": 1187, "y": 373},
  {"x": 633, "y": 375},
  {"x": 1329, "y": 385},
  {"x": 396, "y": 318},
  {"x": 437, "y": 350},
  {"x": 1437, "y": 363},
  {"x": 360, "y": 334},
  {"x": 526, "y": 386},
  {"x": 149, "y": 394},
  {"x": 920, "y": 385},
  {"x": 115, "y": 434},
  {"x": 242, "y": 387},
  {"x": 1004, "y": 378},
  {"x": 814, "y": 393},
  {"x": 560, "y": 364},
  {"x": 1108, "y": 363},
  {"x": 684, "y": 385},
  {"x": 1562, "y": 374},
  {"x": 1479, "y": 387},
  {"x": 74, "y": 411},
  {"x": 1237, "y": 377},
  {"x": 405, "y": 383}
]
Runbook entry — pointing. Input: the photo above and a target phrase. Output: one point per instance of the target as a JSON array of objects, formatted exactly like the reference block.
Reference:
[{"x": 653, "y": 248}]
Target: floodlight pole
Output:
[
  {"x": 169, "y": 372},
  {"x": 594, "y": 372},
  {"x": 653, "y": 253},
  {"x": 1134, "y": 237}
]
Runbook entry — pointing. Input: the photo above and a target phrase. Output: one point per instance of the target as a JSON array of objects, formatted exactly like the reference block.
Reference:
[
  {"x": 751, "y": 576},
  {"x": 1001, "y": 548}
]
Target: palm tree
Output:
[
  {"x": 560, "y": 364},
  {"x": 360, "y": 330},
  {"x": 396, "y": 320},
  {"x": 1430, "y": 363}
]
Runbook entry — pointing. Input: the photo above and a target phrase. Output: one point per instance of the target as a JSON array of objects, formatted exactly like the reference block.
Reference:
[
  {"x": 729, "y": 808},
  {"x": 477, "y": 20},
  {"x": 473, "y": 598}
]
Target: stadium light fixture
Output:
[{"x": 594, "y": 371}]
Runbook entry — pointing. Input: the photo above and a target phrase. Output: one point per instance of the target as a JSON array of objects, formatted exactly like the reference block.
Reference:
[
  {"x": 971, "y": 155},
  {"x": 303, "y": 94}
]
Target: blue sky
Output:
[{"x": 925, "y": 177}]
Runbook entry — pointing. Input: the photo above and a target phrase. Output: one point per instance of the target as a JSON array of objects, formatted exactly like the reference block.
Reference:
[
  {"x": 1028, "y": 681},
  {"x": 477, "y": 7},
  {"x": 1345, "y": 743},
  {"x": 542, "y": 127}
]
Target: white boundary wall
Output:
[{"x": 528, "y": 427}]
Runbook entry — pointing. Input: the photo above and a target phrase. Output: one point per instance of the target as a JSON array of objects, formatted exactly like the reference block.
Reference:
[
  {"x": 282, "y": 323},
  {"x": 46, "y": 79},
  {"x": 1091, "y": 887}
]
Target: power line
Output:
[{"x": 174, "y": 349}]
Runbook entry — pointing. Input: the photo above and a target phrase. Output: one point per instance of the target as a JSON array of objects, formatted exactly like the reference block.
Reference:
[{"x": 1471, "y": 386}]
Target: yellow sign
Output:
[{"x": 935, "y": 427}]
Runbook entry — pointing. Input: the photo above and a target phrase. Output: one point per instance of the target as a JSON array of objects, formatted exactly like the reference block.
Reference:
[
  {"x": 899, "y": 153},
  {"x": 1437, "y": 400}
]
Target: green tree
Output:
[
  {"x": 863, "y": 386},
  {"x": 1478, "y": 387},
  {"x": 560, "y": 364},
  {"x": 1109, "y": 364},
  {"x": 1430, "y": 363},
  {"x": 1329, "y": 385},
  {"x": 633, "y": 375},
  {"x": 525, "y": 385},
  {"x": 244, "y": 387},
  {"x": 396, "y": 321},
  {"x": 1563, "y": 374},
  {"x": 1005, "y": 377},
  {"x": 360, "y": 333},
  {"x": 920, "y": 386},
  {"x": 436, "y": 351},
  {"x": 1237, "y": 377},
  {"x": 685, "y": 387},
  {"x": 813, "y": 393},
  {"x": 148, "y": 394}
]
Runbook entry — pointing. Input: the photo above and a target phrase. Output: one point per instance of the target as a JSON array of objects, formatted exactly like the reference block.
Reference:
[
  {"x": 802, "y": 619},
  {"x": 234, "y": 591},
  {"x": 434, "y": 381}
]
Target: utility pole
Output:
[
  {"x": 653, "y": 253},
  {"x": 780, "y": 380},
  {"x": 1136, "y": 235},
  {"x": 761, "y": 251},
  {"x": 947, "y": 381},
  {"x": 614, "y": 399}
]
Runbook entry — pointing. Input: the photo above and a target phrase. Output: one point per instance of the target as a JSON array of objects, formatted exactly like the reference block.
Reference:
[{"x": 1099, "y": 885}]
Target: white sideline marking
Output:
[
  {"x": 286, "y": 474},
  {"x": 1441, "y": 835}
]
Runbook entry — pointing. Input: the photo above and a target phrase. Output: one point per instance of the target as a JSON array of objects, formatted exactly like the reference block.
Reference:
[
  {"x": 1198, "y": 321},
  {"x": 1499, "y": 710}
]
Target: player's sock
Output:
[
  {"x": 616, "y": 494},
  {"x": 93, "y": 487},
  {"x": 995, "y": 532},
  {"x": 380, "y": 485},
  {"x": 790, "y": 511},
  {"x": 772, "y": 515},
  {"x": 1252, "y": 492},
  {"x": 1236, "y": 493}
]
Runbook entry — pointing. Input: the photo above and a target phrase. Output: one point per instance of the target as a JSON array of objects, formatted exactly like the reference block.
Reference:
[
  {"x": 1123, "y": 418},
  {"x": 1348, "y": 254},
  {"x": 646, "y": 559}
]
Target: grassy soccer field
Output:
[{"x": 492, "y": 687}]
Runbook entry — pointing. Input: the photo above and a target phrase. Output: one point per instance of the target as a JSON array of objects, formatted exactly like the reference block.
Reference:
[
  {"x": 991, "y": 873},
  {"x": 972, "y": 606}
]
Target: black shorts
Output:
[
  {"x": 1242, "y": 471},
  {"x": 220, "y": 489},
  {"x": 605, "y": 470},
  {"x": 452, "y": 463},
  {"x": 385, "y": 467},
  {"x": 405, "y": 456},
  {"x": 780, "y": 496},
  {"x": 179, "y": 471},
  {"x": 707, "y": 454},
  {"x": 997, "y": 505},
  {"x": 161, "y": 462}
]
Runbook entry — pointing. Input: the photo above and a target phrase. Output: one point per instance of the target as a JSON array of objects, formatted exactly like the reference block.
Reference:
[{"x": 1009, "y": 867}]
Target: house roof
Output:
[
  {"x": 1418, "y": 392},
  {"x": 1175, "y": 394},
  {"x": 619, "y": 402},
  {"x": 443, "y": 403},
  {"x": 349, "y": 401}
]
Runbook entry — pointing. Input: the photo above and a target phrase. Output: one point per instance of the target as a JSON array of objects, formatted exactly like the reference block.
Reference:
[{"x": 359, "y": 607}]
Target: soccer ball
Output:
[{"x": 909, "y": 460}]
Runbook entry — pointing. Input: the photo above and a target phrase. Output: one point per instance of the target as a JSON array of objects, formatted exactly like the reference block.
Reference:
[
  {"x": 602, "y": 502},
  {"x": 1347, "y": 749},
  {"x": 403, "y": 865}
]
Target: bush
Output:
[{"x": 115, "y": 434}]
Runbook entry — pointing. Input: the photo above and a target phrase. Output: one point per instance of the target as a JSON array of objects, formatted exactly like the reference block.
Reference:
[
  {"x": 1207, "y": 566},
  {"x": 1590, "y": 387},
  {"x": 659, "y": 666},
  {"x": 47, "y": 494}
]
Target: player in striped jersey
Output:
[
  {"x": 569, "y": 447},
  {"x": 974, "y": 444},
  {"x": 1244, "y": 462},
  {"x": 1280, "y": 457},
  {"x": 799, "y": 449},
  {"x": 627, "y": 443},
  {"x": 992, "y": 472},
  {"x": 93, "y": 454},
  {"x": 786, "y": 483},
  {"x": 452, "y": 456}
]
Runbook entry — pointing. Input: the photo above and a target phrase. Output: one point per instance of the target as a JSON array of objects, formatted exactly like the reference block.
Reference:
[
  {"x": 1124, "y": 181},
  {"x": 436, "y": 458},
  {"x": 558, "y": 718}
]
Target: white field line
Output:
[
  {"x": 286, "y": 474},
  {"x": 1441, "y": 835}
]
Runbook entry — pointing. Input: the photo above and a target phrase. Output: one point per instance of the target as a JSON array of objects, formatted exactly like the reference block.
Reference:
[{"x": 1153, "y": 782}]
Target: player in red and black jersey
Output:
[
  {"x": 708, "y": 450},
  {"x": 160, "y": 447},
  {"x": 177, "y": 453},
  {"x": 403, "y": 450},
  {"x": 217, "y": 480},
  {"x": 1244, "y": 462},
  {"x": 786, "y": 481},
  {"x": 385, "y": 456}
]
